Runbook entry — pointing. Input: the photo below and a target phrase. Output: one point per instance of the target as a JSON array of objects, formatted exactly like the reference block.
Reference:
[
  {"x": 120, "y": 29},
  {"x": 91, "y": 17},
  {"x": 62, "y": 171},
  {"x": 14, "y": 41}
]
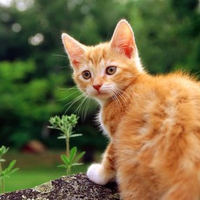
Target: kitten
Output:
[{"x": 153, "y": 122}]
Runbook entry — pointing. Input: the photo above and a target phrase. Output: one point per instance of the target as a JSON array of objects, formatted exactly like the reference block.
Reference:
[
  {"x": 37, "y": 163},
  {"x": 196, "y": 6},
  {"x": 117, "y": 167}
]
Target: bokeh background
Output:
[{"x": 35, "y": 77}]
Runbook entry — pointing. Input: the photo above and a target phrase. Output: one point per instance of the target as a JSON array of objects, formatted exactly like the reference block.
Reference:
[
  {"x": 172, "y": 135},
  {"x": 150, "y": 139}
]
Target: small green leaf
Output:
[
  {"x": 14, "y": 170},
  {"x": 76, "y": 135},
  {"x": 3, "y": 150},
  {"x": 72, "y": 154},
  {"x": 76, "y": 164},
  {"x": 7, "y": 173},
  {"x": 62, "y": 137},
  {"x": 65, "y": 159},
  {"x": 53, "y": 127},
  {"x": 79, "y": 156},
  {"x": 62, "y": 166},
  {"x": 11, "y": 165}
]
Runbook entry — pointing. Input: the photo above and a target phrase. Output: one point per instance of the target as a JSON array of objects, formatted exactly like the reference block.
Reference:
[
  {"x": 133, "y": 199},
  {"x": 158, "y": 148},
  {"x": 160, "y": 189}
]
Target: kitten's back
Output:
[{"x": 159, "y": 135}]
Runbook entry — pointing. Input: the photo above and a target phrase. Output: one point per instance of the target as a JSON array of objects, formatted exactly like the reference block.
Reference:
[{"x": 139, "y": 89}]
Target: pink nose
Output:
[{"x": 97, "y": 87}]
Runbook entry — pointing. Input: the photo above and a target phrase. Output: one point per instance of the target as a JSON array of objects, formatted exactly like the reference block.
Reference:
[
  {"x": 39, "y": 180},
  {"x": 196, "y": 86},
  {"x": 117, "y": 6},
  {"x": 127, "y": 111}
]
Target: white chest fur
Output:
[{"x": 102, "y": 124}]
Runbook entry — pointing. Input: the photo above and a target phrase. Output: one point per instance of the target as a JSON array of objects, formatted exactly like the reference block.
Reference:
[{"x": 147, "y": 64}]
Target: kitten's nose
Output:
[{"x": 97, "y": 87}]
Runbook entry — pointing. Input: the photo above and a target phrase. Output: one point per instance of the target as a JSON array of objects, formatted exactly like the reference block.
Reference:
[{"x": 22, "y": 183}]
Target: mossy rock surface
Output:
[{"x": 72, "y": 187}]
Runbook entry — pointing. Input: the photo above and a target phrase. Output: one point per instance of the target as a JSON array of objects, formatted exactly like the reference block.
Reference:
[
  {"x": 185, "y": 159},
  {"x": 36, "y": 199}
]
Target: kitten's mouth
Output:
[{"x": 101, "y": 95}]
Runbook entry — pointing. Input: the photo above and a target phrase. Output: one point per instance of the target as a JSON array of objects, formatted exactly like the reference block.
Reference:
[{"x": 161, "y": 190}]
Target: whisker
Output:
[
  {"x": 83, "y": 107},
  {"x": 75, "y": 87},
  {"x": 125, "y": 96},
  {"x": 116, "y": 98},
  {"x": 80, "y": 105},
  {"x": 86, "y": 107},
  {"x": 65, "y": 66},
  {"x": 73, "y": 102},
  {"x": 121, "y": 97},
  {"x": 59, "y": 55},
  {"x": 82, "y": 101},
  {"x": 67, "y": 97},
  {"x": 64, "y": 90}
]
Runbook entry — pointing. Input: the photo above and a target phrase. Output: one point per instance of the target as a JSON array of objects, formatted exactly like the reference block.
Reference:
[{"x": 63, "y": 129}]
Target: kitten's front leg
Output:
[{"x": 104, "y": 172}]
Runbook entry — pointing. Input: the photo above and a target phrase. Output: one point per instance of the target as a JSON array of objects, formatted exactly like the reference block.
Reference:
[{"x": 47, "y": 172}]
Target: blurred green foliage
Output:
[{"x": 34, "y": 73}]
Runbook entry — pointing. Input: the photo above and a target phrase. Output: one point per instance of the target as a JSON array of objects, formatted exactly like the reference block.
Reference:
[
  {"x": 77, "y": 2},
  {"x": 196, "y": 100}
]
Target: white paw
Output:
[{"x": 95, "y": 174}]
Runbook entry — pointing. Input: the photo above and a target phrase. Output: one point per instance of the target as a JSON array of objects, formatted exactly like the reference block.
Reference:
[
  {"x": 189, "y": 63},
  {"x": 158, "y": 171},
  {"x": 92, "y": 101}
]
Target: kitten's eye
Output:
[
  {"x": 86, "y": 74},
  {"x": 111, "y": 70}
]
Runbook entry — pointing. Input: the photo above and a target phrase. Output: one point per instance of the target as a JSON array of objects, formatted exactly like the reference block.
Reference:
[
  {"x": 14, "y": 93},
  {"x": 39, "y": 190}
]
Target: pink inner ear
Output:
[
  {"x": 128, "y": 50},
  {"x": 76, "y": 55},
  {"x": 75, "y": 63}
]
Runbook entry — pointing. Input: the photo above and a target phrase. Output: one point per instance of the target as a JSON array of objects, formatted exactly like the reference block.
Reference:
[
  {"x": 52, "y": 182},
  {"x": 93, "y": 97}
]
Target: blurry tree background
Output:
[{"x": 35, "y": 77}]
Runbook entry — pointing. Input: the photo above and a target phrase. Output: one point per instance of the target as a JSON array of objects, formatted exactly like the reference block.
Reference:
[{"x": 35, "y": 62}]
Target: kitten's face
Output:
[{"x": 104, "y": 71}]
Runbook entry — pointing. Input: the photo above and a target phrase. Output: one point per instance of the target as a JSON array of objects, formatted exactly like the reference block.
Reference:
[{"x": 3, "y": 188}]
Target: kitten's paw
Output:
[{"x": 96, "y": 174}]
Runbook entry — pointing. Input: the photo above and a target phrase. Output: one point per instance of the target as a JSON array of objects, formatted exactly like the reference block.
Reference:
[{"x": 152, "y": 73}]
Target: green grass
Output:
[
  {"x": 30, "y": 178},
  {"x": 36, "y": 169}
]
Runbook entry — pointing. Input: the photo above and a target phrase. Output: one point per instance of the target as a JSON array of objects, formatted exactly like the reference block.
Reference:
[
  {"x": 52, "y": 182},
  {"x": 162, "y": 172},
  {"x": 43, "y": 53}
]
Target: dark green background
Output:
[{"x": 35, "y": 77}]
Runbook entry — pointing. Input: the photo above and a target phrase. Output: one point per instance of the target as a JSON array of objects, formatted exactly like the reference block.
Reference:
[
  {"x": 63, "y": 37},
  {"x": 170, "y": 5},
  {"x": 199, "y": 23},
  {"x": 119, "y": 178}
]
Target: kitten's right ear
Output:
[
  {"x": 74, "y": 49},
  {"x": 123, "y": 39}
]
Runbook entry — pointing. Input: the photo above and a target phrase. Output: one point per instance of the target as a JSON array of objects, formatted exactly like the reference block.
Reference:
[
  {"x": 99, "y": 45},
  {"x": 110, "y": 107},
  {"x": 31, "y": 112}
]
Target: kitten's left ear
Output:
[
  {"x": 74, "y": 49},
  {"x": 123, "y": 39}
]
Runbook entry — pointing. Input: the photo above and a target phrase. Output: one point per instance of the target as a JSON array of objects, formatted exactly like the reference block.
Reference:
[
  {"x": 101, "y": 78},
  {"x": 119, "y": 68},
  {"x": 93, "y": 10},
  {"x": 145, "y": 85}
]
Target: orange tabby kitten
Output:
[{"x": 153, "y": 122}]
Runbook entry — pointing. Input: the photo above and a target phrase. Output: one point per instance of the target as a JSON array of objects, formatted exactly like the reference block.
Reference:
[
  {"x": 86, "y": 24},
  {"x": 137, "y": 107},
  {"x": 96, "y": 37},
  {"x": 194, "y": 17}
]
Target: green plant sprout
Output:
[
  {"x": 66, "y": 124},
  {"x": 8, "y": 170}
]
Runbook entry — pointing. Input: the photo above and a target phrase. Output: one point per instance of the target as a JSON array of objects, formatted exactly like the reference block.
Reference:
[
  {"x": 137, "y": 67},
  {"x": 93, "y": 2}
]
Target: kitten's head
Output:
[{"x": 105, "y": 70}]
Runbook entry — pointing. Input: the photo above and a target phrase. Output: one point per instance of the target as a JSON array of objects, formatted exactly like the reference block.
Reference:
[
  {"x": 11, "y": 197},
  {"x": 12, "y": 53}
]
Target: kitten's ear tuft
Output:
[
  {"x": 123, "y": 39},
  {"x": 74, "y": 49}
]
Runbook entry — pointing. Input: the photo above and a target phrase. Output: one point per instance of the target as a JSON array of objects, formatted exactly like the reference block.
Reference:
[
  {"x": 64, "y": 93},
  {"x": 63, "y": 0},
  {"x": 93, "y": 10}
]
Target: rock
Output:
[{"x": 74, "y": 187}]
